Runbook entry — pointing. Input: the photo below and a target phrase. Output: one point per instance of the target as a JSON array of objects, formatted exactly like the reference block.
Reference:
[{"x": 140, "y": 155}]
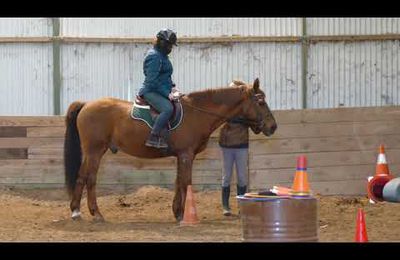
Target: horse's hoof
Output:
[
  {"x": 76, "y": 215},
  {"x": 99, "y": 219},
  {"x": 77, "y": 218}
]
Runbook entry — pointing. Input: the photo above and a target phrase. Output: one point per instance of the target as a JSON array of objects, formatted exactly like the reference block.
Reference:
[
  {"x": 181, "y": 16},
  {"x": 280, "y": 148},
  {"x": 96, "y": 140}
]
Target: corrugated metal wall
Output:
[
  {"x": 352, "y": 26},
  {"x": 278, "y": 67},
  {"x": 26, "y": 83},
  {"x": 354, "y": 74},
  {"x": 339, "y": 73},
  {"x": 90, "y": 71},
  {"x": 24, "y": 27},
  {"x": 197, "y": 27}
]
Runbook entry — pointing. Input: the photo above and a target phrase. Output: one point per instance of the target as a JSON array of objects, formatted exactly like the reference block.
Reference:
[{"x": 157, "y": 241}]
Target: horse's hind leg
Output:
[
  {"x": 77, "y": 195},
  {"x": 87, "y": 176},
  {"x": 93, "y": 167}
]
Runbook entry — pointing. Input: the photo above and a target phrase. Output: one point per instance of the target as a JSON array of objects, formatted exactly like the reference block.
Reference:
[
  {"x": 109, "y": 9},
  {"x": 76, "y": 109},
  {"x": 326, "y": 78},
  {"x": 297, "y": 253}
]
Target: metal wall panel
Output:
[
  {"x": 25, "y": 27},
  {"x": 197, "y": 27},
  {"x": 26, "y": 79},
  {"x": 201, "y": 66},
  {"x": 91, "y": 71},
  {"x": 354, "y": 74},
  {"x": 352, "y": 26}
]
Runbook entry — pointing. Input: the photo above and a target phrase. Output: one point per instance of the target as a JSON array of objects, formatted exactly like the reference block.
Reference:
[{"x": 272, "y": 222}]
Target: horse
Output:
[{"x": 95, "y": 126}]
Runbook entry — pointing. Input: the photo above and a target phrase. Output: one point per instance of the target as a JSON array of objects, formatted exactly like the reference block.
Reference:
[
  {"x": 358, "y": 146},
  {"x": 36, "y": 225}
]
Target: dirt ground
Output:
[{"x": 145, "y": 215}]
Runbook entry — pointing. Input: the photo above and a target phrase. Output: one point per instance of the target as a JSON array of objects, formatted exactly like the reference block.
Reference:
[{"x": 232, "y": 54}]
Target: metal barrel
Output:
[
  {"x": 279, "y": 220},
  {"x": 391, "y": 190}
]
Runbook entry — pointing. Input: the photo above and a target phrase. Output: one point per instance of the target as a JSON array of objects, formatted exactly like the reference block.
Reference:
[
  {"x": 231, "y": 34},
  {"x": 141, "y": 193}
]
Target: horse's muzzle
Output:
[{"x": 270, "y": 130}]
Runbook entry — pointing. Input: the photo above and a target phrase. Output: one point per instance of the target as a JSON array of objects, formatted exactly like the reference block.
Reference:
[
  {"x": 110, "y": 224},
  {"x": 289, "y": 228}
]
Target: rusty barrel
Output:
[{"x": 279, "y": 219}]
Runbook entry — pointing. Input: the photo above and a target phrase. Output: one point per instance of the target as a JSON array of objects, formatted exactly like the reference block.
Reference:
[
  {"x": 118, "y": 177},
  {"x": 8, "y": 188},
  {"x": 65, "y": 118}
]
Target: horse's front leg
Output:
[{"x": 183, "y": 179}]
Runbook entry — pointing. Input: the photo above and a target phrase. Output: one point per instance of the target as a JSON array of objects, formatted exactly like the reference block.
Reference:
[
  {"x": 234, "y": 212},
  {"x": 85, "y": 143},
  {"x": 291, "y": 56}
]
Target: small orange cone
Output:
[
  {"x": 300, "y": 184},
  {"x": 382, "y": 176},
  {"x": 382, "y": 167},
  {"x": 361, "y": 231},
  {"x": 189, "y": 215}
]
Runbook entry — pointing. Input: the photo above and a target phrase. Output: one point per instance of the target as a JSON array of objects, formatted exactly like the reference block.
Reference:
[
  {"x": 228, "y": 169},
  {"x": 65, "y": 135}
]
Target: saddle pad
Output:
[{"x": 142, "y": 113}]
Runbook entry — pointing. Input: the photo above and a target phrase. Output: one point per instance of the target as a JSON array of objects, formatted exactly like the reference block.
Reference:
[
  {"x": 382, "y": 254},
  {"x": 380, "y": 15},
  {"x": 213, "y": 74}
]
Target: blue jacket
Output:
[{"x": 157, "y": 69}]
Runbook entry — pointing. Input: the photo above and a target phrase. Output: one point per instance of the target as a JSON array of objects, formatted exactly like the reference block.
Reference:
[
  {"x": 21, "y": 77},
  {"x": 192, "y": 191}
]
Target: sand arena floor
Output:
[{"x": 146, "y": 215}]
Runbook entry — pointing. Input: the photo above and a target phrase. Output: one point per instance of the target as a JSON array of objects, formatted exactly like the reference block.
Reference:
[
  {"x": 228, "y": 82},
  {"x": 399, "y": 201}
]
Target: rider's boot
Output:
[{"x": 156, "y": 141}]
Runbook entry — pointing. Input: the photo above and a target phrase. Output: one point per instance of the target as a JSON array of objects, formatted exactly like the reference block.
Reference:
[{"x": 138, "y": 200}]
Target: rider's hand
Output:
[{"x": 175, "y": 94}]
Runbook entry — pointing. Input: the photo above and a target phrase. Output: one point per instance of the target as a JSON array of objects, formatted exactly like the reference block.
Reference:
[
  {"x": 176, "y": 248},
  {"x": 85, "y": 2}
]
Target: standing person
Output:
[
  {"x": 234, "y": 142},
  {"x": 158, "y": 86}
]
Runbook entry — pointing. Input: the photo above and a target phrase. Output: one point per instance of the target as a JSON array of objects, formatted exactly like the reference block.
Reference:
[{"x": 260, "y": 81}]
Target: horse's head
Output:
[{"x": 255, "y": 109}]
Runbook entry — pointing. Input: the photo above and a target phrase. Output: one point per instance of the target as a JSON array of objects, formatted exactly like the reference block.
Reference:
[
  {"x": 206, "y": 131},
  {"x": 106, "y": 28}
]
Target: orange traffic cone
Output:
[
  {"x": 361, "y": 231},
  {"x": 382, "y": 167},
  {"x": 382, "y": 176},
  {"x": 190, "y": 215},
  {"x": 300, "y": 184}
]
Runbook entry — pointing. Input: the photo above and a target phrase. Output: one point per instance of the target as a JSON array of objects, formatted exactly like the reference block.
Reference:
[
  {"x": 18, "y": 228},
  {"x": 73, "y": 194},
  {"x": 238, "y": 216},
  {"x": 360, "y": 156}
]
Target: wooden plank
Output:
[
  {"x": 32, "y": 121},
  {"x": 354, "y": 38},
  {"x": 332, "y": 129},
  {"x": 25, "y": 39},
  {"x": 324, "y": 144},
  {"x": 362, "y": 114},
  {"x": 37, "y": 153},
  {"x": 157, "y": 177},
  {"x": 281, "y": 116},
  {"x": 328, "y": 173},
  {"x": 58, "y": 152},
  {"x": 219, "y": 39},
  {"x": 157, "y": 164},
  {"x": 12, "y": 131},
  {"x": 342, "y": 187},
  {"x": 24, "y": 163},
  {"x": 46, "y": 131},
  {"x": 13, "y": 153},
  {"x": 118, "y": 176},
  {"x": 20, "y": 142},
  {"x": 319, "y": 159}
]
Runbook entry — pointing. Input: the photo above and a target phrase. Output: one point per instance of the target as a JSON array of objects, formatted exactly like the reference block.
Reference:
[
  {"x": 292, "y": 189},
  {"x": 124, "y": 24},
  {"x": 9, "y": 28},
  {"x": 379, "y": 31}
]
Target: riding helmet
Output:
[{"x": 167, "y": 35}]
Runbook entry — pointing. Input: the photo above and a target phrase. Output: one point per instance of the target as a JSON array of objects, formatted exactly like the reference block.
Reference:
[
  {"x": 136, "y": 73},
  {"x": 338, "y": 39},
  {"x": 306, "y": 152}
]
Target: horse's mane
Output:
[{"x": 221, "y": 95}]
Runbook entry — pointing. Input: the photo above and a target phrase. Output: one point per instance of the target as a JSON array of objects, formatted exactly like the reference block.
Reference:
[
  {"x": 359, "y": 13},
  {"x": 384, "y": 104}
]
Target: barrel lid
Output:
[{"x": 264, "y": 198}]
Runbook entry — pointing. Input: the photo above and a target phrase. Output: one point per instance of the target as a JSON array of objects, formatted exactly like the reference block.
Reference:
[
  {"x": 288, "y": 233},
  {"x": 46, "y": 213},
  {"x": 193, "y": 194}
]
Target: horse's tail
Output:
[{"x": 72, "y": 147}]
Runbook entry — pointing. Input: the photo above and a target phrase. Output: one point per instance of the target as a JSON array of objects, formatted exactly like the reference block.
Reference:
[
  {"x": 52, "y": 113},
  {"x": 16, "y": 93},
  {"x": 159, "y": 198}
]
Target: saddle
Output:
[{"x": 142, "y": 110}]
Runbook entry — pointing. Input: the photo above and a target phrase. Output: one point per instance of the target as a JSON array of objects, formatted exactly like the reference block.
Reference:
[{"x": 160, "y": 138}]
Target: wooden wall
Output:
[
  {"x": 341, "y": 146},
  {"x": 31, "y": 155}
]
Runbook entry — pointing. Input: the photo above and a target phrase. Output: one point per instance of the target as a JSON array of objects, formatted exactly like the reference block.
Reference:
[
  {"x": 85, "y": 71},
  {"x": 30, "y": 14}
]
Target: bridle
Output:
[{"x": 259, "y": 122}]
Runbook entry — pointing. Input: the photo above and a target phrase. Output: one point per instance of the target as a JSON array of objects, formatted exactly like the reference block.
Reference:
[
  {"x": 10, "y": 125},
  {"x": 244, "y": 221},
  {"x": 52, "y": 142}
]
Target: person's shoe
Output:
[
  {"x": 156, "y": 141},
  {"x": 241, "y": 190},
  {"x": 226, "y": 212}
]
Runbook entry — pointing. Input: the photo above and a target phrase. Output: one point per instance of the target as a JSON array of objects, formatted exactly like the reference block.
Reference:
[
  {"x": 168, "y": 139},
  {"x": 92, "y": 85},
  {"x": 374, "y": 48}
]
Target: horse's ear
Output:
[{"x": 256, "y": 84}]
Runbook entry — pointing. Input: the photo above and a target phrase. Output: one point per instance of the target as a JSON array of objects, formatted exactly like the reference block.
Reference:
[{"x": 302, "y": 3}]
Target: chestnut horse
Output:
[{"x": 93, "y": 127}]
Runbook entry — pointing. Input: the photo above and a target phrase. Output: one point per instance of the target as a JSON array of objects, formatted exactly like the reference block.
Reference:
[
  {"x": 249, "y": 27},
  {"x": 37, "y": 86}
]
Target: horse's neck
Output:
[{"x": 220, "y": 105}]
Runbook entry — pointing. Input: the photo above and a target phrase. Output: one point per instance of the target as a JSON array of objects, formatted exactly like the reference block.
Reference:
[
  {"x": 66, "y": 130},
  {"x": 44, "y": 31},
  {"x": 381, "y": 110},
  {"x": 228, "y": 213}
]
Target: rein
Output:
[{"x": 244, "y": 120}]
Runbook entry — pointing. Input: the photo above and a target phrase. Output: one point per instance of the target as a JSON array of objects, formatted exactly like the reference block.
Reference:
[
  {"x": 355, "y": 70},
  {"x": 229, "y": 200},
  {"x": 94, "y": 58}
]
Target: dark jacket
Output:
[
  {"x": 157, "y": 69},
  {"x": 234, "y": 134}
]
